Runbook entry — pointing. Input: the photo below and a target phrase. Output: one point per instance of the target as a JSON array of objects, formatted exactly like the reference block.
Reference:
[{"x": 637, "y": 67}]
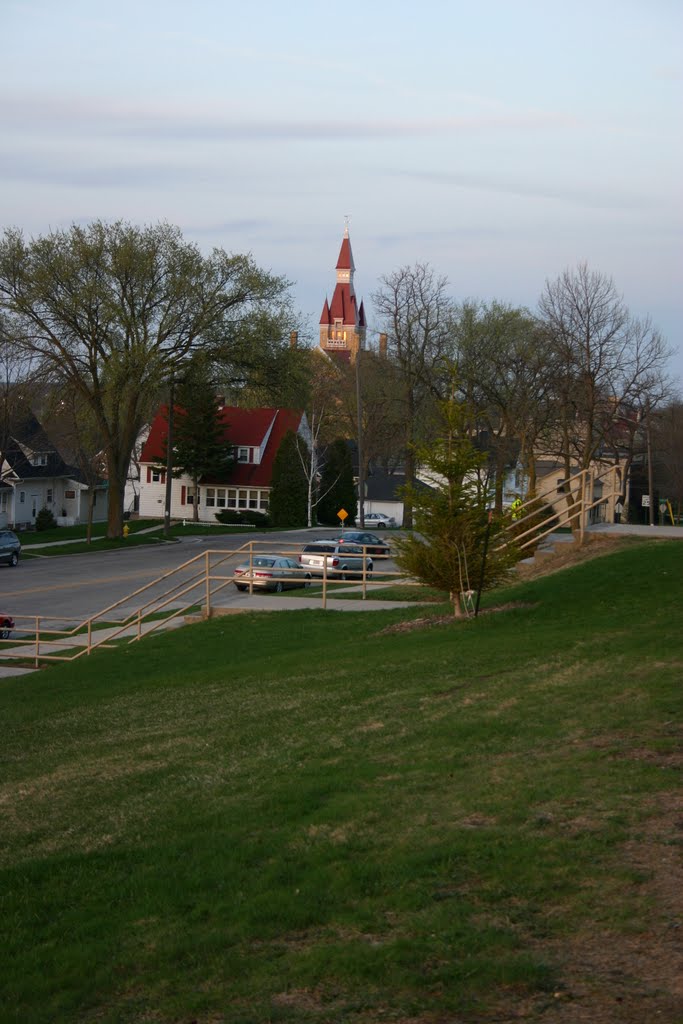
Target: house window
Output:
[
  {"x": 210, "y": 497},
  {"x": 158, "y": 476},
  {"x": 189, "y": 496},
  {"x": 242, "y": 499},
  {"x": 48, "y": 496},
  {"x": 253, "y": 499},
  {"x": 4, "y": 500},
  {"x": 560, "y": 486},
  {"x": 67, "y": 494},
  {"x": 39, "y": 460},
  {"x": 243, "y": 455},
  {"x": 220, "y": 497},
  {"x": 263, "y": 501},
  {"x": 22, "y": 497}
]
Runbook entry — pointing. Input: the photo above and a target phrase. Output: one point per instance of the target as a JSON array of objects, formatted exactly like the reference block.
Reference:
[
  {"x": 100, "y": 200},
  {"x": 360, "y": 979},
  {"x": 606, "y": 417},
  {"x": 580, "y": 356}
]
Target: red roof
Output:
[
  {"x": 250, "y": 428},
  {"x": 345, "y": 261}
]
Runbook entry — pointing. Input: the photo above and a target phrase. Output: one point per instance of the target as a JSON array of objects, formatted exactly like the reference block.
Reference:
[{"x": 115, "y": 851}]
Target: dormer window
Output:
[
  {"x": 40, "y": 459},
  {"x": 243, "y": 455}
]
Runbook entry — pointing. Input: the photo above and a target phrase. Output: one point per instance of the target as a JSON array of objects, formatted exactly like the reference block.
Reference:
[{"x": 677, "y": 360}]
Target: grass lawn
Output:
[
  {"x": 78, "y": 545},
  {"x": 320, "y": 817}
]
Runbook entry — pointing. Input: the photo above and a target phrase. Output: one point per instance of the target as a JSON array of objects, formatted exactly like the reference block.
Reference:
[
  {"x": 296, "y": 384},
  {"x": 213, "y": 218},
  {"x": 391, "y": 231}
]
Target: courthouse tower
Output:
[{"x": 342, "y": 323}]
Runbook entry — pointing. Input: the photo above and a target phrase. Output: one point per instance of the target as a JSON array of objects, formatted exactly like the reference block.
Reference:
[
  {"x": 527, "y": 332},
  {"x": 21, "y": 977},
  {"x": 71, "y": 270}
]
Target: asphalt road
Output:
[{"x": 70, "y": 588}]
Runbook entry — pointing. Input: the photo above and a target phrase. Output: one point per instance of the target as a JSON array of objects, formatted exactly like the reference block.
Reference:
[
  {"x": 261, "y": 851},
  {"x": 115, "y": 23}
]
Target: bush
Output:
[{"x": 45, "y": 520}]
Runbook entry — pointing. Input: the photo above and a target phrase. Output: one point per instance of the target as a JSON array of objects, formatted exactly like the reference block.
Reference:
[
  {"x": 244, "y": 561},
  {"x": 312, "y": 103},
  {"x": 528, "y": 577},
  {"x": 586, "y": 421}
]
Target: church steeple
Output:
[{"x": 342, "y": 323}]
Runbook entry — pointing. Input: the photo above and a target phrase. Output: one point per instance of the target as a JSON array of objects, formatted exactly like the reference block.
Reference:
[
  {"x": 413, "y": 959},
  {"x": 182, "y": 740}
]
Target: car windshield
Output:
[{"x": 264, "y": 563}]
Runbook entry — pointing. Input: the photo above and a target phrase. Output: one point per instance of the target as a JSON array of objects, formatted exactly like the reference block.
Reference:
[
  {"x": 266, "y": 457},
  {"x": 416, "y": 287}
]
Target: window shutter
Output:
[
  {"x": 183, "y": 493},
  {"x": 149, "y": 474}
]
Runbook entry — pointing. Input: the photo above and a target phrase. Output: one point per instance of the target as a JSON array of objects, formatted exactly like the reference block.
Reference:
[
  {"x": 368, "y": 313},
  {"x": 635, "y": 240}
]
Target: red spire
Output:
[{"x": 325, "y": 317}]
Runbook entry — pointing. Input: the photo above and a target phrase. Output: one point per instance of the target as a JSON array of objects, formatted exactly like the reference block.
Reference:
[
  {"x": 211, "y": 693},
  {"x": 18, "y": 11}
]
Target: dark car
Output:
[
  {"x": 373, "y": 544},
  {"x": 6, "y": 626},
  {"x": 10, "y": 547}
]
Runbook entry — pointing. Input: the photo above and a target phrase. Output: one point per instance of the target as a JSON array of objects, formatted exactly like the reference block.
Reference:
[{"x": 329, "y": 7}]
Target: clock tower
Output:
[{"x": 342, "y": 323}]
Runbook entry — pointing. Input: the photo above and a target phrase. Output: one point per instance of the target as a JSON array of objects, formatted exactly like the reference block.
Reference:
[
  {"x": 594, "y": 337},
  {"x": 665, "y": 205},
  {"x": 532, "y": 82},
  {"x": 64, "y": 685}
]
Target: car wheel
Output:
[
  {"x": 368, "y": 571},
  {"x": 279, "y": 587},
  {"x": 343, "y": 576},
  {"x": 5, "y": 633},
  {"x": 308, "y": 580},
  {"x": 241, "y": 586},
  {"x": 14, "y": 558}
]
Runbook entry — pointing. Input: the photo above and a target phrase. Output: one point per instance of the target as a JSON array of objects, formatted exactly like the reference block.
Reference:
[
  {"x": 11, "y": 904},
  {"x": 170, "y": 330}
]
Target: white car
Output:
[{"x": 378, "y": 519}]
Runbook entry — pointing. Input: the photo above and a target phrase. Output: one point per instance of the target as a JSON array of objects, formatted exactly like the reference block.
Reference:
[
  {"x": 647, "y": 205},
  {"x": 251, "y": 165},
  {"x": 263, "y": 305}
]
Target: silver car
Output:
[
  {"x": 378, "y": 520},
  {"x": 270, "y": 572},
  {"x": 343, "y": 561}
]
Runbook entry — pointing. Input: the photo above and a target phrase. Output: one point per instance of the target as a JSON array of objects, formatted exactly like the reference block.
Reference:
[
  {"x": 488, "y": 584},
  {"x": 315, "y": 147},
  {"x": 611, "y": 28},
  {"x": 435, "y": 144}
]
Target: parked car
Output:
[
  {"x": 10, "y": 547},
  {"x": 343, "y": 561},
  {"x": 373, "y": 544},
  {"x": 378, "y": 520},
  {"x": 270, "y": 572},
  {"x": 6, "y": 626}
]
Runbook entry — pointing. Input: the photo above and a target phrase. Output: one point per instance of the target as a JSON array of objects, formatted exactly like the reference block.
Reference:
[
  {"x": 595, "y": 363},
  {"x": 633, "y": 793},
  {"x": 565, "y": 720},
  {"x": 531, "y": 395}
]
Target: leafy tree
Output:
[
  {"x": 112, "y": 310},
  {"x": 337, "y": 485},
  {"x": 199, "y": 444},
  {"x": 453, "y": 525},
  {"x": 289, "y": 488},
  {"x": 505, "y": 368}
]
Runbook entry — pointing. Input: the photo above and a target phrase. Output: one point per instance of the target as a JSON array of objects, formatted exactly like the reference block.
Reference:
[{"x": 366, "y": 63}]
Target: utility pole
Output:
[
  {"x": 169, "y": 463},
  {"x": 650, "y": 475},
  {"x": 359, "y": 443}
]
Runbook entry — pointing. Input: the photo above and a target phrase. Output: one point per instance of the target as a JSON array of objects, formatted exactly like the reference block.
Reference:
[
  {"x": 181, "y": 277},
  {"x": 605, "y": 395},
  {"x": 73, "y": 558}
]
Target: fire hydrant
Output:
[{"x": 126, "y": 530}]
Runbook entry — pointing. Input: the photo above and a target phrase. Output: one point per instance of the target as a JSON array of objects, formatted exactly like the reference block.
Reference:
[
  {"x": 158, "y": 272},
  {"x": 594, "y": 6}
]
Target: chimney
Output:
[
  {"x": 293, "y": 338},
  {"x": 383, "y": 346}
]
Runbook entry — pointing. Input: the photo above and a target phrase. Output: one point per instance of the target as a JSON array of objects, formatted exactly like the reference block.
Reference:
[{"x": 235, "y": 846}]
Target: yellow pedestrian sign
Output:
[{"x": 342, "y": 514}]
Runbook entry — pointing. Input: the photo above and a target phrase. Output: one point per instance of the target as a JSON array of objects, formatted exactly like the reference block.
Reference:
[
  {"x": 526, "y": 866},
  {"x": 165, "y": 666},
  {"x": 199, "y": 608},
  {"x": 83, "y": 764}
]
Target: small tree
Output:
[
  {"x": 289, "y": 493},
  {"x": 199, "y": 444},
  {"x": 454, "y": 527},
  {"x": 336, "y": 485},
  {"x": 45, "y": 519}
]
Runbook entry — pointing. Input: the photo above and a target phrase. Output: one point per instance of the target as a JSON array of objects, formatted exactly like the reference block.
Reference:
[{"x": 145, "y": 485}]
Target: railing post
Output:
[
  {"x": 89, "y": 648},
  {"x": 37, "y": 655},
  {"x": 139, "y": 623},
  {"x": 208, "y": 584},
  {"x": 324, "y": 581}
]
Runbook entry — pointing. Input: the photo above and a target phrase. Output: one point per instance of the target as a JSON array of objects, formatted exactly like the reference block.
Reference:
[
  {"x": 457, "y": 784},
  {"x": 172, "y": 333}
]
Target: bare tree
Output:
[
  {"x": 606, "y": 361},
  {"x": 416, "y": 312}
]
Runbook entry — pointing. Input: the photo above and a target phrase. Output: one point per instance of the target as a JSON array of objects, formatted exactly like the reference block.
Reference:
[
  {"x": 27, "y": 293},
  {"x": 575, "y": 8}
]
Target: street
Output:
[{"x": 74, "y": 587}]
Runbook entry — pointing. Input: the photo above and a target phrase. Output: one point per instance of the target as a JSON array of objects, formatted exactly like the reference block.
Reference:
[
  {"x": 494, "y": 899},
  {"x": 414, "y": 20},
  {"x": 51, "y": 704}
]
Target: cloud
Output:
[
  {"x": 588, "y": 195},
  {"x": 75, "y": 116}
]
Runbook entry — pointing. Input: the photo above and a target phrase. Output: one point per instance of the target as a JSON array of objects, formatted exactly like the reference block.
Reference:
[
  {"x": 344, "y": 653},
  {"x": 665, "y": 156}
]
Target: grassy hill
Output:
[{"x": 311, "y": 817}]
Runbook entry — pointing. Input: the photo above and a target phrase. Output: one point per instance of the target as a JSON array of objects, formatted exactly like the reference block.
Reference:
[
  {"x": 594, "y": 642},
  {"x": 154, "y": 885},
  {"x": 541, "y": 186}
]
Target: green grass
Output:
[
  {"x": 298, "y": 816},
  {"x": 76, "y": 533}
]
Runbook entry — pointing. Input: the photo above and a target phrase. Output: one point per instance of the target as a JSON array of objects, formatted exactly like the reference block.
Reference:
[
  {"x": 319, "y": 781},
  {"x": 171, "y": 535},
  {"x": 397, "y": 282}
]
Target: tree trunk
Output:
[
  {"x": 91, "y": 510},
  {"x": 457, "y": 606}
]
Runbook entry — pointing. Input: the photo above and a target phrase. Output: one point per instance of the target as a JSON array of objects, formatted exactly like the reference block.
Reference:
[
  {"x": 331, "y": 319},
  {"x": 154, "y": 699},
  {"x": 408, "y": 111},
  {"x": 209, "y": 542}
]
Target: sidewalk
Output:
[{"x": 639, "y": 530}]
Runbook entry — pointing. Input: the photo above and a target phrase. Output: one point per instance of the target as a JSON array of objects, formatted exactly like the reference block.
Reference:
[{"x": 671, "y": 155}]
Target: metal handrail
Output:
[{"x": 44, "y": 640}]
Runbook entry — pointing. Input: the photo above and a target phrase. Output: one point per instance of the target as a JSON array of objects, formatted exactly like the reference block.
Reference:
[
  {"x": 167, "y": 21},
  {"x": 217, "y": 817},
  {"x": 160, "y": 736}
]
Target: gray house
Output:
[{"x": 33, "y": 475}]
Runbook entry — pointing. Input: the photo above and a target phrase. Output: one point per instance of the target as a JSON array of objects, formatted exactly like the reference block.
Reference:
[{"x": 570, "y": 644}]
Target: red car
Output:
[{"x": 6, "y": 626}]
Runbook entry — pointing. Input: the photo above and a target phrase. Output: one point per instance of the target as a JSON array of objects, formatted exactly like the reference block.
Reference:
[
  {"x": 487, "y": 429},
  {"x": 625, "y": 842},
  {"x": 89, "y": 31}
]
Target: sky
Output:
[{"x": 500, "y": 142}]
